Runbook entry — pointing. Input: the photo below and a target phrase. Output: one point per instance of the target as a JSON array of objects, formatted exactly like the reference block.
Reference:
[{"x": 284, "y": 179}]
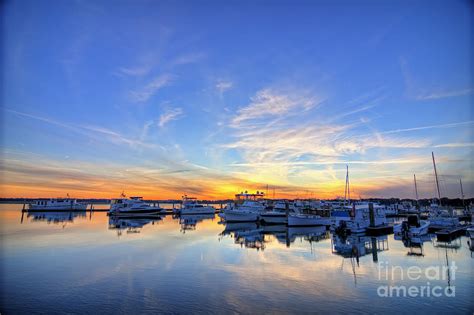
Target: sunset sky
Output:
[{"x": 162, "y": 98}]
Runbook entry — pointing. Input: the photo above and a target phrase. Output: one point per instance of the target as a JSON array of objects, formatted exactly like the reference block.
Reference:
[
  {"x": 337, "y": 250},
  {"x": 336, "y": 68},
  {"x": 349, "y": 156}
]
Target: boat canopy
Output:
[{"x": 246, "y": 196}]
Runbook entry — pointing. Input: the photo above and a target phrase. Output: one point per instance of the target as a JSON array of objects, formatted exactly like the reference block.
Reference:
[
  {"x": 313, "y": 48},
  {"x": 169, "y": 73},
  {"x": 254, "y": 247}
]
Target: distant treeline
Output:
[{"x": 457, "y": 202}]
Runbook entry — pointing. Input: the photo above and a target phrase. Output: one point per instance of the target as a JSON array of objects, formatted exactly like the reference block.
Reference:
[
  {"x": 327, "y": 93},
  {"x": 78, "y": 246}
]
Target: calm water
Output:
[{"x": 61, "y": 263}]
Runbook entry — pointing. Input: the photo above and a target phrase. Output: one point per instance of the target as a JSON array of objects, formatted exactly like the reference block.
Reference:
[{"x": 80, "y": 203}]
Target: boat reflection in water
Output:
[
  {"x": 131, "y": 225},
  {"x": 356, "y": 246},
  {"x": 414, "y": 244},
  {"x": 54, "y": 217},
  {"x": 246, "y": 234},
  {"x": 189, "y": 222},
  {"x": 253, "y": 235}
]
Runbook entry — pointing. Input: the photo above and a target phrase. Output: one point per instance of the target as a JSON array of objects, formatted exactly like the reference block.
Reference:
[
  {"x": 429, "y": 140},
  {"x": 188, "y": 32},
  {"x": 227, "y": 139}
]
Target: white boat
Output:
[
  {"x": 274, "y": 217},
  {"x": 442, "y": 217},
  {"x": 413, "y": 227},
  {"x": 57, "y": 204},
  {"x": 246, "y": 208},
  {"x": 134, "y": 206},
  {"x": 301, "y": 219},
  {"x": 359, "y": 218},
  {"x": 191, "y": 206},
  {"x": 278, "y": 214}
]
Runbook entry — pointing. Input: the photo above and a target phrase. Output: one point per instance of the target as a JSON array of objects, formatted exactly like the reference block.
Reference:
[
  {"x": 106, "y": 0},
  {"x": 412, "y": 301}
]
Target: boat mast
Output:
[
  {"x": 348, "y": 185},
  {"x": 462, "y": 192},
  {"x": 436, "y": 176},
  {"x": 345, "y": 186},
  {"x": 416, "y": 189},
  {"x": 347, "y": 192}
]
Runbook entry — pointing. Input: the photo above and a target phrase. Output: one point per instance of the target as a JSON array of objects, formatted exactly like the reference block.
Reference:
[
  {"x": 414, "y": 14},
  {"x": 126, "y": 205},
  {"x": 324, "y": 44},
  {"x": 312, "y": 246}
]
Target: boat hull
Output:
[
  {"x": 413, "y": 230},
  {"x": 203, "y": 210},
  {"x": 236, "y": 216},
  {"x": 39, "y": 208},
  {"x": 274, "y": 218},
  {"x": 137, "y": 211},
  {"x": 303, "y": 220}
]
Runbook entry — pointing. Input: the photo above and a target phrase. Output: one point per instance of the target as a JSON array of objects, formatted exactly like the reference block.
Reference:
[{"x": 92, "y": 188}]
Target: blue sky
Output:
[{"x": 168, "y": 97}]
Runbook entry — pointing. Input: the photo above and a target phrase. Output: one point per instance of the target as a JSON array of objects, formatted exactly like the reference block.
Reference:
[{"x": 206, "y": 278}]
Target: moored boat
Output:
[
  {"x": 413, "y": 227},
  {"x": 56, "y": 204},
  {"x": 134, "y": 206},
  {"x": 246, "y": 208},
  {"x": 191, "y": 206},
  {"x": 302, "y": 219}
]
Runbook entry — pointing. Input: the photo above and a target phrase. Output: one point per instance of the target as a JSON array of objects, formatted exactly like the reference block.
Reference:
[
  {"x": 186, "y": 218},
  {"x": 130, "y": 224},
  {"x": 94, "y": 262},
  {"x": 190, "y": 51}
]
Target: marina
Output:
[
  {"x": 236, "y": 157},
  {"x": 91, "y": 254}
]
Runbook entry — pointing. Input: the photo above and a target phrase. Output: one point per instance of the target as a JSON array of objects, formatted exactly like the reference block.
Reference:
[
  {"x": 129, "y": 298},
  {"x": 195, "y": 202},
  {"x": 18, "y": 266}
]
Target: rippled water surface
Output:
[{"x": 87, "y": 263}]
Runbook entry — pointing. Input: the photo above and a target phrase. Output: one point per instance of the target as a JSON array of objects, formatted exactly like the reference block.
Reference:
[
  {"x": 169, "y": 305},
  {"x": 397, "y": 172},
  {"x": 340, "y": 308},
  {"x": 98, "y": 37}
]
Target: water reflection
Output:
[
  {"x": 253, "y": 235},
  {"x": 414, "y": 244},
  {"x": 188, "y": 222},
  {"x": 236, "y": 267},
  {"x": 131, "y": 225},
  {"x": 356, "y": 246},
  {"x": 61, "y": 218}
]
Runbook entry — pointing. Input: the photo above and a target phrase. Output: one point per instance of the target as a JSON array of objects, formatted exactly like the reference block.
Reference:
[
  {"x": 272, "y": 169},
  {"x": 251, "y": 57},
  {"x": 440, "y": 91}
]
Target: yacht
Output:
[
  {"x": 413, "y": 227},
  {"x": 278, "y": 214},
  {"x": 134, "y": 206},
  {"x": 57, "y": 204},
  {"x": 191, "y": 206},
  {"x": 246, "y": 208}
]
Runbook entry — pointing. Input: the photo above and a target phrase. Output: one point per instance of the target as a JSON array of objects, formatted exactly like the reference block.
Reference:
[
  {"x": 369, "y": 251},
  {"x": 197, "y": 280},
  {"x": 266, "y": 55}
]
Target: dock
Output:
[
  {"x": 379, "y": 230},
  {"x": 450, "y": 234}
]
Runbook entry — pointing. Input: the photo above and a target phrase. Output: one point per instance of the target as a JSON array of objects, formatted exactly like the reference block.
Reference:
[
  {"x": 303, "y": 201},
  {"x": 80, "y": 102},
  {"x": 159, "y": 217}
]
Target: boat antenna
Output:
[
  {"x": 436, "y": 176},
  {"x": 416, "y": 189},
  {"x": 462, "y": 192}
]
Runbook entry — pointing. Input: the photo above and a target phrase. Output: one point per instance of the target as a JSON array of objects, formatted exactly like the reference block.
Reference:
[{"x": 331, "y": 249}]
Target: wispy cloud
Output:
[
  {"x": 268, "y": 103},
  {"x": 169, "y": 115},
  {"x": 444, "y": 94},
  {"x": 455, "y": 145},
  {"x": 223, "y": 86},
  {"x": 274, "y": 139},
  {"x": 188, "y": 58},
  {"x": 451, "y": 125},
  {"x": 94, "y": 132},
  {"x": 135, "y": 71},
  {"x": 145, "y": 93},
  {"x": 417, "y": 91}
]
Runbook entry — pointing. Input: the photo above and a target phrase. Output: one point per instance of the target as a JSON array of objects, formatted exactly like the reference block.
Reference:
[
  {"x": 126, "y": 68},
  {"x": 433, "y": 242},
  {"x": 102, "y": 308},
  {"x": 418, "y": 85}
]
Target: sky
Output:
[{"x": 165, "y": 98}]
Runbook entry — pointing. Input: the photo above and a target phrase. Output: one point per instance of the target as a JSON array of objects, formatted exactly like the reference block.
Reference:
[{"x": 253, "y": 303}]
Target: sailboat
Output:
[
  {"x": 441, "y": 217},
  {"x": 413, "y": 227}
]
